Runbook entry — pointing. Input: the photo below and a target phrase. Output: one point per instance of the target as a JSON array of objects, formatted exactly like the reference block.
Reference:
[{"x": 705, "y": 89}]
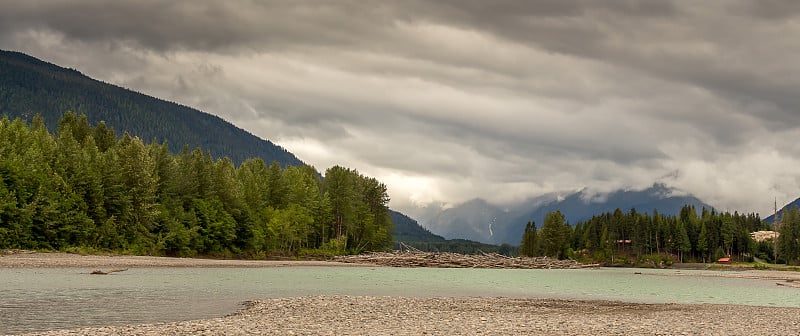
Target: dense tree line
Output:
[
  {"x": 633, "y": 237},
  {"x": 84, "y": 187}
]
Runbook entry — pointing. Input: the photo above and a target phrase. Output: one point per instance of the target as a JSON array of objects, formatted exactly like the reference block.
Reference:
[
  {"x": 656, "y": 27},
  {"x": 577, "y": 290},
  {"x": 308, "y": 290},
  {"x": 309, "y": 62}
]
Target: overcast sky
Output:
[{"x": 452, "y": 100}]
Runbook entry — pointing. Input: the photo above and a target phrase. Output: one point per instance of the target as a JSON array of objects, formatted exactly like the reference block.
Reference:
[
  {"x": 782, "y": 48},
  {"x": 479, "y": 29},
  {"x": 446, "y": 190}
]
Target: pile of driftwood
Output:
[{"x": 455, "y": 260}]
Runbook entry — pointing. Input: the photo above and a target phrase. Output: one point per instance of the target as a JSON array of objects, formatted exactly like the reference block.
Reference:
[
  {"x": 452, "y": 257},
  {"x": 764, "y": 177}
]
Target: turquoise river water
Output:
[{"x": 44, "y": 299}]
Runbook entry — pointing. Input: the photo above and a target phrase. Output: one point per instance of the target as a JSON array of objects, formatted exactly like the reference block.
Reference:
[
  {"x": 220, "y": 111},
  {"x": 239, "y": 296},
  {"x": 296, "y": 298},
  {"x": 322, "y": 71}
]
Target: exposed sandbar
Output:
[
  {"x": 356, "y": 315},
  {"x": 26, "y": 259}
]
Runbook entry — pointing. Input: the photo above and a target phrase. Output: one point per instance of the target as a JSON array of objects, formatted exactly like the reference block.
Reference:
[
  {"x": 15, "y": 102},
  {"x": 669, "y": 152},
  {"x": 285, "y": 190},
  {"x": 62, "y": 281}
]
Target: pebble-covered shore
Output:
[
  {"x": 346, "y": 315},
  {"x": 357, "y": 315},
  {"x": 29, "y": 259}
]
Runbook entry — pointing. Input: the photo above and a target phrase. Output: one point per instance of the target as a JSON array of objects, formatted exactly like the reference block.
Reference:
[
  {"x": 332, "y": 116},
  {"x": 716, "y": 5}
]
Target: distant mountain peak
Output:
[
  {"x": 658, "y": 190},
  {"x": 472, "y": 219},
  {"x": 771, "y": 217}
]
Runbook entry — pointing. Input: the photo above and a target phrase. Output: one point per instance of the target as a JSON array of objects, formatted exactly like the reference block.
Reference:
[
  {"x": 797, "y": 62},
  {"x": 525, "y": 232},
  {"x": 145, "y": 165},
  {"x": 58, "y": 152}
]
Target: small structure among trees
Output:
[{"x": 634, "y": 237}]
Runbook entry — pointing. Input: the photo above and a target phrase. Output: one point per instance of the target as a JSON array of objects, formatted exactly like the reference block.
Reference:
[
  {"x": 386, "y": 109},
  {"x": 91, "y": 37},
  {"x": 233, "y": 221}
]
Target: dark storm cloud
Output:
[
  {"x": 454, "y": 99},
  {"x": 200, "y": 25},
  {"x": 740, "y": 58}
]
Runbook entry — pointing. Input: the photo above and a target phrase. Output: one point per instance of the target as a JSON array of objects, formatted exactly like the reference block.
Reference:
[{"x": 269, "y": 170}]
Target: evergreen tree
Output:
[
  {"x": 702, "y": 242},
  {"x": 727, "y": 232},
  {"x": 528, "y": 245},
  {"x": 789, "y": 238},
  {"x": 104, "y": 136},
  {"x": 554, "y": 235},
  {"x": 139, "y": 181},
  {"x": 684, "y": 245}
]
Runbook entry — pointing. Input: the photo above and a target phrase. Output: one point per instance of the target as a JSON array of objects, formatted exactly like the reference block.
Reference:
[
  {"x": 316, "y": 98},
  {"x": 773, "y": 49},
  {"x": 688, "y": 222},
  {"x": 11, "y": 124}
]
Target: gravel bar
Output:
[
  {"x": 363, "y": 315},
  {"x": 27, "y": 259}
]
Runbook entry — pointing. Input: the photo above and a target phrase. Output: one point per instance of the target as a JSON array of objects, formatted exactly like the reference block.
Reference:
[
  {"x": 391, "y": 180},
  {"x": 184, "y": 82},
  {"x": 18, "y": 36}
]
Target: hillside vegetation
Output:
[
  {"x": 29, "y": 86},
  {"x": 85, "y": 188}
]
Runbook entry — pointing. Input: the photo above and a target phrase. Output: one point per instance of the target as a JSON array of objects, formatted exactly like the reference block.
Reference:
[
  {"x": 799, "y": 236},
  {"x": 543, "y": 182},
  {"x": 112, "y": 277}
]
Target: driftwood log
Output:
[
  {"x": 456, "y": 260},
  {"x": 101, "y": 272}
]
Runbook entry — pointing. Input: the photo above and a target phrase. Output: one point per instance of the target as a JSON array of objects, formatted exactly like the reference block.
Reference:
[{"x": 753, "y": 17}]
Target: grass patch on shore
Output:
[{"x": 754, "y": 266}]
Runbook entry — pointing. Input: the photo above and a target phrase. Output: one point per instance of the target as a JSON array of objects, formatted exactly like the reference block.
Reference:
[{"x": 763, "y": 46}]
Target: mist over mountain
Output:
[{"x": 482, "y": 221}]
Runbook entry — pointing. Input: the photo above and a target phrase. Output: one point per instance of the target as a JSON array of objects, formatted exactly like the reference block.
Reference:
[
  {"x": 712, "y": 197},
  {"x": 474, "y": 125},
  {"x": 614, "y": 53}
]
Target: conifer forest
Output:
[{"x": 85, "y": 188}]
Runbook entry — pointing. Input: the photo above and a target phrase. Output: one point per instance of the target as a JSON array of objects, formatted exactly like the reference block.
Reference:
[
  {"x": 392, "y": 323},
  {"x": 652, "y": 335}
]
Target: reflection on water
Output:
[{"x": 43, "y": 299}]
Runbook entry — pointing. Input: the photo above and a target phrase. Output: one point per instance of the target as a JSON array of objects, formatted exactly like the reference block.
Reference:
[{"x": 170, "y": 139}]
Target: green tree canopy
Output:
[{"x": 85, "y": 188}]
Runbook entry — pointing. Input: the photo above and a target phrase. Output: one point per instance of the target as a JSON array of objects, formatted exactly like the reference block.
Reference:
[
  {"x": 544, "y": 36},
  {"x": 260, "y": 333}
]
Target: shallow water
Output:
[{"x": 43, "y": 299}]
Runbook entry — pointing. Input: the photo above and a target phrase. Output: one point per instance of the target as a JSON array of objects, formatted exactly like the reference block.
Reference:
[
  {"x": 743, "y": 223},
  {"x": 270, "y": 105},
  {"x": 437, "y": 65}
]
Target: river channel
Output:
[{"x": 54, "y": 298}]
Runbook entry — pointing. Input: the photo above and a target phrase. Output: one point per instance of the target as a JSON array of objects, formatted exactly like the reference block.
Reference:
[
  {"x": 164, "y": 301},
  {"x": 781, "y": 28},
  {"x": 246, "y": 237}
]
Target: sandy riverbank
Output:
[
  {"x": 27, "y": 259},
  {"x": 349, "y": 315},
  {"x": 782, "y": 278}
]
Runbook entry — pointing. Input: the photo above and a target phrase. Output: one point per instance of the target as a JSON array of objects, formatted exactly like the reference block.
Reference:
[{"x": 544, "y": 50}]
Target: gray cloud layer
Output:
[{"x": 450, "y": 100}]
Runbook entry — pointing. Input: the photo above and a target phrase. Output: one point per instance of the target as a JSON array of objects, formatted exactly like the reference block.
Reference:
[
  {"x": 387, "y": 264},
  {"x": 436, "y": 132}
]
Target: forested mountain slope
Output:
[
  {"x": 407, "y": 229},
  {"x": 793, "y": 204},
  {"x": 29, "y": 86}
]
